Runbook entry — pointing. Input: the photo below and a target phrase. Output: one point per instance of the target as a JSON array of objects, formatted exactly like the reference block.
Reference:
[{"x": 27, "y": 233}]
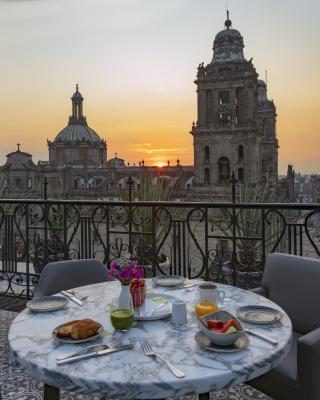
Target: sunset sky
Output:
[{"x": 135, "y": 62}]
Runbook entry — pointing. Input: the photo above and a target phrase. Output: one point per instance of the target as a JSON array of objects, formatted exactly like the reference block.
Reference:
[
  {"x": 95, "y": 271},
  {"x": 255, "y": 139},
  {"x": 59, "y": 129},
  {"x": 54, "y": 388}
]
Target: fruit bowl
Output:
[{"x": 218, "y": 338}]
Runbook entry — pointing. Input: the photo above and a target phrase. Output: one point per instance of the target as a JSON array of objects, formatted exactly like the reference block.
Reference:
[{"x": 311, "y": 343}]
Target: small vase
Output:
[{"x": 125, "y": 298}]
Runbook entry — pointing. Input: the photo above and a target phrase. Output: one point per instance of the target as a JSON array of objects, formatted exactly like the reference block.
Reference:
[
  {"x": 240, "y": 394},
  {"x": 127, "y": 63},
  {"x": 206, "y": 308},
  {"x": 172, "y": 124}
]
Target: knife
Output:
[
  {"x": 72, "y": 297},
  {"x": 96, "y": 353},
  {"x": 261, "y": 336}
]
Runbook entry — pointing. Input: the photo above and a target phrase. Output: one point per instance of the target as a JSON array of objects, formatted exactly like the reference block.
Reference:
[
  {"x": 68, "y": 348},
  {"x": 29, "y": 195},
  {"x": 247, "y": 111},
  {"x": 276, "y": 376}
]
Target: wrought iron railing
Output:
[{"x": 225, "y": 242}]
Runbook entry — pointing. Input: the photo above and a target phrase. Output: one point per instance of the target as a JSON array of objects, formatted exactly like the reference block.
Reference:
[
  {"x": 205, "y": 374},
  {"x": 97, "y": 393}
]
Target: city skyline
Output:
[{"x": 135, "y": 63}]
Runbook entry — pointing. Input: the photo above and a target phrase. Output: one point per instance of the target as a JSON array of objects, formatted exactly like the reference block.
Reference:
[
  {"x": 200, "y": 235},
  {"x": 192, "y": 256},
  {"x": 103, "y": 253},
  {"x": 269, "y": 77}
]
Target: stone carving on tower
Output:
[{"x": 235, "y": 129}]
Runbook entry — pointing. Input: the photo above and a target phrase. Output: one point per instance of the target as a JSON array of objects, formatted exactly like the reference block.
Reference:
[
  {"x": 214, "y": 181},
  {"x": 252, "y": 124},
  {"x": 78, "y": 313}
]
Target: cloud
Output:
[
  {"x": 139, "y": 144},
  {"x": 142, "y": 149},
  {"x": 162, "y": 158}
]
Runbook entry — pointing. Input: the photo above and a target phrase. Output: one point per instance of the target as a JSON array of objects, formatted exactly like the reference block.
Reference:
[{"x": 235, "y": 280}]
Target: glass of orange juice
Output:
[{"x": 207, "y": 301}]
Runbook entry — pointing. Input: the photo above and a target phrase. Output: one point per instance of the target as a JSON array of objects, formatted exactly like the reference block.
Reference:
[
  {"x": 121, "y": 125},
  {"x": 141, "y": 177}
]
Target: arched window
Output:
[
  {"x": 206, "y": 155},
  {"x": 209, "y": 107},
  {"x": 240, "y": 175},
  {"x": 206, "y": 176},
  {"x": 224, "y": 169},
  {"x": 240, "y": 152}
]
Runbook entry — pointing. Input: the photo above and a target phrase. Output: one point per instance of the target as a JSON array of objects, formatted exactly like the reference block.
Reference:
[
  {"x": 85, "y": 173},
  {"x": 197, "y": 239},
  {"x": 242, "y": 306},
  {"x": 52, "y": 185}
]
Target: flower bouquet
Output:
[{"x": 125, "y": 271}]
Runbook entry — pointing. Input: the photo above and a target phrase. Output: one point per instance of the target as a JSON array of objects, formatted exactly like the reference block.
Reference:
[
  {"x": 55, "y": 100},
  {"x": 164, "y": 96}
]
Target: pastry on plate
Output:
[
  {"x": 65, "y": 329},
  {"x": 84, "y": 329}
]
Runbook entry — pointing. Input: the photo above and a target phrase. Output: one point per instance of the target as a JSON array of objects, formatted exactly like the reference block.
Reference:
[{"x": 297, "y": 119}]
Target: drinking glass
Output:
[
  {"x": 121, "y": 318},
  {"x": 207, "y": 299}
]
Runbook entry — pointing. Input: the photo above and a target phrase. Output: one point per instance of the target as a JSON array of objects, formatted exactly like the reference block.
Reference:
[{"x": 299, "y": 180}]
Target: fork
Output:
[
  {"x": 73, "y": 292},
  {"x": 146, "y": 347},
  {"x": 114, "y": 343}
]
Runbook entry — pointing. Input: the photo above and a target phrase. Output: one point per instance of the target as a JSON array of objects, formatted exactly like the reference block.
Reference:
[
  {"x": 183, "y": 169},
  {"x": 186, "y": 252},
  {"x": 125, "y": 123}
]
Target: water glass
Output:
[{"x": 179, "y": 312}]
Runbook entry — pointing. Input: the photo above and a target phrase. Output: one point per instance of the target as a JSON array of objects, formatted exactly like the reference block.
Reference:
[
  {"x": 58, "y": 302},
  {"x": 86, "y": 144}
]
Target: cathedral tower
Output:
[{"x": 235, "y": 129}]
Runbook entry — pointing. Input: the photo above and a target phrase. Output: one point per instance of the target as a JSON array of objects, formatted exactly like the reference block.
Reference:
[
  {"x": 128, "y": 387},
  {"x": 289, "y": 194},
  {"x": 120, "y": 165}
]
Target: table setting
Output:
[{"x": 149, "y": 338}]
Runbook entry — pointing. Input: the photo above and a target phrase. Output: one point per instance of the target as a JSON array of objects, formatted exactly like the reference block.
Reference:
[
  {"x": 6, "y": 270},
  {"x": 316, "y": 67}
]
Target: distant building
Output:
[
  {"x": 235, "y": 132},
  {"x": 78, "y": 166},
  {"x": 236, "y": 125}
]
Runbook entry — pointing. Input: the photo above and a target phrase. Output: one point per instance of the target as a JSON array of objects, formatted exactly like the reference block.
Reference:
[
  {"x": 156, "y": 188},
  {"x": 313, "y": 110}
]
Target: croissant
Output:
[
  {"x": 65, "y": 330},
  {"x": 84, "y": 328}
]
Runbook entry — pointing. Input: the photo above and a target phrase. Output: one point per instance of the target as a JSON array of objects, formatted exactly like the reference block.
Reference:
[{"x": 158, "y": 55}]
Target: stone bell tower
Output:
[{"x": 233, "y": 132}]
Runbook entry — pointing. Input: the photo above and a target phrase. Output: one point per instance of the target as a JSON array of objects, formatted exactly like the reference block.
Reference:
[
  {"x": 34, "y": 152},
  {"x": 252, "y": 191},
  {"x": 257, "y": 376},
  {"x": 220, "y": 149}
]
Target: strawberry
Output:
[{"x": 215, "y": 324}]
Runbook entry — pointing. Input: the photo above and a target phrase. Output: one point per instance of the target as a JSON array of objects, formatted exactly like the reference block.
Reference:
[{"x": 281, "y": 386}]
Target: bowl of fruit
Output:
[{"x": 221, "y": 327}]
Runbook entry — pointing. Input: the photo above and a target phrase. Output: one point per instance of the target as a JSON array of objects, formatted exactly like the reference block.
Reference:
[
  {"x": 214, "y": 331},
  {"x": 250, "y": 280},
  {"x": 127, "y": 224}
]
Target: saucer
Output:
[
  {"x": 204, "y": 341},
  {"x": 47, "y": 303},
  {"x": 146, "y": 313},
  {"x": 261, "y": 315},
  {"x": 169, "y": 280}
]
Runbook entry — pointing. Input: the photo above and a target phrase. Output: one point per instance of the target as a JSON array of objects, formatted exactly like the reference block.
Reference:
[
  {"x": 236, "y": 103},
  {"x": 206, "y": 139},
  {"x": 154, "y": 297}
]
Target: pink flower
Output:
[{"x": 125, "y": 271}]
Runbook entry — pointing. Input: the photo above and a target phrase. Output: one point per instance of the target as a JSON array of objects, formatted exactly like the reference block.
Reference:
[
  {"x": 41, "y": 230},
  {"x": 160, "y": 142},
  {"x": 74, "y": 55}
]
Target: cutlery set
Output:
[
  {"x": 72, "y": 297},
  {"x": 115, "y": 345}
]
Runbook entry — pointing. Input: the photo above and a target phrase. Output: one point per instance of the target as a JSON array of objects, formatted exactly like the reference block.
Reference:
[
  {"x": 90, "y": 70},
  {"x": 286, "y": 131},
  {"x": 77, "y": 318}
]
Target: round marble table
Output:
[{"x": 131, "y": 374}]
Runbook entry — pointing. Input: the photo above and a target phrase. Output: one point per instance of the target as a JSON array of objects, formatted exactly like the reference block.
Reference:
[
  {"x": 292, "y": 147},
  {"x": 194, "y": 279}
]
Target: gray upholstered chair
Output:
[
  {"x": 64, "y": 275},
  {"x": 294, "y": 284}
]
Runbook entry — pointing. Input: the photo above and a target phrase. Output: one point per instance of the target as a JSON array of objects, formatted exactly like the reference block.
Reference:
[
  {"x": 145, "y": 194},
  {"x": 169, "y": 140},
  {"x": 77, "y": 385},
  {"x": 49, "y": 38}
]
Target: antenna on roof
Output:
[
  {"x": 266, "y": 76},
  {"x": 227, "y": 23}
]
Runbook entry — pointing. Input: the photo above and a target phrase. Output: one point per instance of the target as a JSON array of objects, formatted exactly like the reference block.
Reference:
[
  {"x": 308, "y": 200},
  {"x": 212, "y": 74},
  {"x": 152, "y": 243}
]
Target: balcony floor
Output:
[{"x": 15, "y": 385}]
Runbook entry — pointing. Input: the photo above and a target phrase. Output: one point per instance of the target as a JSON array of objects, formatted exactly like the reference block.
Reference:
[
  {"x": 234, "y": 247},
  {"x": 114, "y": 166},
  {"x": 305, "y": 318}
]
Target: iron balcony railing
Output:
[{"x": 226, "y": 242}]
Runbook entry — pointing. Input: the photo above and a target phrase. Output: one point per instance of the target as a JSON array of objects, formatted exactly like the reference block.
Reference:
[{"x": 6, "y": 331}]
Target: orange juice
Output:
[{"x": 204, "y": 308}]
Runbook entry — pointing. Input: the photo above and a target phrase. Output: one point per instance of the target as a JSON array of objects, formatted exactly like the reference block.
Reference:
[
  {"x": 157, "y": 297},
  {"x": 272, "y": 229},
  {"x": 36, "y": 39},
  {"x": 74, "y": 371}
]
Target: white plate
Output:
[
  {"x": 67, "y": 339},
  {"x": 47, "y": 303},
  {"x": 261, "y": 315},
  {"x": 202, "y": 339},
  {"x": 169, "y": 280},
  {"x": 143, "y": 313}
]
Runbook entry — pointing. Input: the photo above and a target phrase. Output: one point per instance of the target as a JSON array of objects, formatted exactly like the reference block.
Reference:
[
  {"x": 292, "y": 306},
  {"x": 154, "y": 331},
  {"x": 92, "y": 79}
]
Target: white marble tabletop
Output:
[{"x": 131, "y": 374}]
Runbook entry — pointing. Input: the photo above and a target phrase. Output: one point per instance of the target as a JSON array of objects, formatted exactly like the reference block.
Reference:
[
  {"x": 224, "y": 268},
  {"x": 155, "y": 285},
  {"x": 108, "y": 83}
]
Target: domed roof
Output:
[
  {"x": 77, "y": 129},
  {"x": 228, "y": 45},
  {"x": 77, "y": 133}
]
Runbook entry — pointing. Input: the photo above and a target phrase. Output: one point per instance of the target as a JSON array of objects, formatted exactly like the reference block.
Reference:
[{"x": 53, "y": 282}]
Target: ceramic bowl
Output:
[{"x": 221, "y": 339}]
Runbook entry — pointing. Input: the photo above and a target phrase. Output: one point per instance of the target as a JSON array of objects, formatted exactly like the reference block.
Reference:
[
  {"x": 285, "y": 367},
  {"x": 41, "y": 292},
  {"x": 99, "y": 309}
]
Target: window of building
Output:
[
  {"x": 240, "y": 175},
  {"x": 206, "y": 155},
  {"x": 224, "y": 97},
  {"x": 5, "y": 183},
  {"x": 240, "y": 152},
  {"x": 224, "y": 169},
  {"x": 206, "y": 176},
  {"x": 225, "y": 119},
  {"x": 29, "y": 183},
  {"x": 209, "y": 107}
]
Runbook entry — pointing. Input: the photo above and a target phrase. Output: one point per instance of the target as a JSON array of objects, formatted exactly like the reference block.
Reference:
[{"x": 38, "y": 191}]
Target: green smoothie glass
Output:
[{"x": 121, "y": 318}]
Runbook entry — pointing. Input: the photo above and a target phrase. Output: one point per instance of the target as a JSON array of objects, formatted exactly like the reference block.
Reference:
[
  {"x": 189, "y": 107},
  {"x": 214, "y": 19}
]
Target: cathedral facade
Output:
[
  {"x": 78, "y": 166},
  {"x": 235, "y": 132},
  {"x": 236, "y": 125}
]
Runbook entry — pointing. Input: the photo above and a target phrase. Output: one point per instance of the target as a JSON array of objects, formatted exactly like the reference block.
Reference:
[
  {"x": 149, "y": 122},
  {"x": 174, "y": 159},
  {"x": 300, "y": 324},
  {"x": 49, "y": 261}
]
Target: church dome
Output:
[
  {"x": 77, "y": 133},
  {"x": 77, "y": 129},
  {"x": 228, "y": 45}
]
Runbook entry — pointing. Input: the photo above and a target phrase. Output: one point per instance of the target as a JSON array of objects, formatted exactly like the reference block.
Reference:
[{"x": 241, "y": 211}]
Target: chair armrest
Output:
[
  {"x": 308, "y": 355},
  {"x": 260, "y": 290}
]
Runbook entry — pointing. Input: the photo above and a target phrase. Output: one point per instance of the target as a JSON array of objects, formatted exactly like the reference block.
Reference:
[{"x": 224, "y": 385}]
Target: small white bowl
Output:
[{"x": 221, "y": 339}]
